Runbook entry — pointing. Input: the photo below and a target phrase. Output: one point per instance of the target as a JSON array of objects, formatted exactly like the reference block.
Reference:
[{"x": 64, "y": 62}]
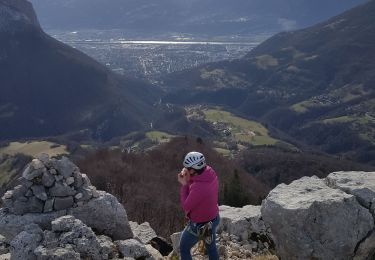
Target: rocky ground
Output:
[{"x": 55, "y": 213}]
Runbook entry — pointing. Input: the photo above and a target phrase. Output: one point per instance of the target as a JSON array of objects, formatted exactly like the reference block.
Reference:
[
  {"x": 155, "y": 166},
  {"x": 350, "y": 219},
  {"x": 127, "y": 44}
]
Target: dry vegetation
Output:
[{"x": 147, "y": 184}]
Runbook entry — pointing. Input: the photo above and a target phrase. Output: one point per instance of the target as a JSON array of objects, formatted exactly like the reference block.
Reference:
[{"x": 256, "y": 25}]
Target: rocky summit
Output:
[
  {"x": 328, "y": 218},
  {"x": 55, "y": 213}
]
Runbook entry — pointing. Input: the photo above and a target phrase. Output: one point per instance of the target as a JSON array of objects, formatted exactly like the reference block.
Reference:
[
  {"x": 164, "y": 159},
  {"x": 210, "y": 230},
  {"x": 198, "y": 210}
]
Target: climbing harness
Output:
[{"x": 204, "y": 234}]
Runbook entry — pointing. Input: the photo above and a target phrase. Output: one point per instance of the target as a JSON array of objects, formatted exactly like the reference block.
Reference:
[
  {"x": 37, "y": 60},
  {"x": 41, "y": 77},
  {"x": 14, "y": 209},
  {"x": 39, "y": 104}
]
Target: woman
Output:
[{"x": 199, "y": 199}]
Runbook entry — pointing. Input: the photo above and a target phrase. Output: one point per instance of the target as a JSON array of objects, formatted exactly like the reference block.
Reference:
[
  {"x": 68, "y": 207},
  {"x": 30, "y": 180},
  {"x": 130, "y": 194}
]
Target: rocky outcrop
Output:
[
  {"x": 69, "y": 238},
  {"x": 17, "y": 15},
  {"x": 241, "y": 234},
  {"x": 52, "y": 188},
  {"x": 312, "y": 220}
]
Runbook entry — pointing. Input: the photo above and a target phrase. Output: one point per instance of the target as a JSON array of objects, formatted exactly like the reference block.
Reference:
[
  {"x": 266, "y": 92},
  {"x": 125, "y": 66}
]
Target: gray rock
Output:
[
  {"x": 70, "y": 181},
  {"x": 48, "y": 179},
  {"x": 8, "y": 195},
  {"x": 60, "y": 190},
  {"x": 106, "y": 215},
  {"x": 48, "y": 205},
  {"x": 65, "y": 167},
  {"x": 154, "y": 254},
  {"x": 24, "y": 244},
  {"x": 56, "y": 253},
  {"x": 143, "y": 231},
  {"x": 59, "y": 178},
  {"x": 53, "y": 171},
  {"x": 359, "y": 184},
  {"x": 19, "y": 191},
  {"x": 309, "y": 220},
  {"x": 366, "y": 249},
  {"x": 34, "y": 170},
  {"x": 63, "y": 203},
  {"x": 63, "y": 224},
  {"x": 86, "y": 194},
  {"x": 39, "y": 191},
  {"x": 29, "y": 193},
  {"x": 4, "y": 246},
  {"x": 43, "y": 157},
  {"x": 85, "y": 181},
  {"x": 31, "y": 205},
  {"x": 132, "y": 248},
  {"x": 78, "y": 181},
  {"x": 107, "y": 247},
  {"x": 175, "y": 238},
  {"x": 241, "y": 222}
]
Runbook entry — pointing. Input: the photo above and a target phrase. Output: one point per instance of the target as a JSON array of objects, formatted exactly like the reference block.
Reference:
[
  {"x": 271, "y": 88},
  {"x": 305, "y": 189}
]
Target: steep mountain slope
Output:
[
  {"x": 48, "y": 88},
  {"x": 317, "y": 84},
  {"x": 203, "y": 16}
]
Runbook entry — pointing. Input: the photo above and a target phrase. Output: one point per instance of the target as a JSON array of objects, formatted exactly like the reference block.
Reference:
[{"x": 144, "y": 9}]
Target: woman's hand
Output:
[{"x": 184, "y": 177}]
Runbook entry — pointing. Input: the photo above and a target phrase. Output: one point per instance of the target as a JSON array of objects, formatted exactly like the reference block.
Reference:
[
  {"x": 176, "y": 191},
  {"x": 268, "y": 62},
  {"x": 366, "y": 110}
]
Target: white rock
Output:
[
  {"x": 143, "y": 232},
  {"x": 132, "y": 248},
  {"x": 310, "y": 220},
  {"x": 241, "y": 222}
]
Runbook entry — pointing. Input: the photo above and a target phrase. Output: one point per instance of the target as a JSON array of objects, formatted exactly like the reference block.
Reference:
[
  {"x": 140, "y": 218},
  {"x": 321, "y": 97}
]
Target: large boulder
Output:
[
  {"x": 359, "y": 184},
  {"x": 310, "y": 220},
  {"x": 52, "y": 188}
]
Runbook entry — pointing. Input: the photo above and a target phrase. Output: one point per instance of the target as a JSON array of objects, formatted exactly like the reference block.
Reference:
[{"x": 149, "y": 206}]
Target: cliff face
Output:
[
  {"x": 48, "y": 88},
  {"x": 16, "y": 15}
]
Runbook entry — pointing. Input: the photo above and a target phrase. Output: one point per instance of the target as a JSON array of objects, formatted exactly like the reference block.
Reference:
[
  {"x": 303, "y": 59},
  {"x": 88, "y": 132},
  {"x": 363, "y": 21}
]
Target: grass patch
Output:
[
  {"x": 222, "y": 151},
  {"x": 159, "y": 137},
  {"x": 6, "y": 171},
  {"x": 34, "y": 148},
  {"x": 242, "y": 130},
  {"x": 341, "y": 119}
]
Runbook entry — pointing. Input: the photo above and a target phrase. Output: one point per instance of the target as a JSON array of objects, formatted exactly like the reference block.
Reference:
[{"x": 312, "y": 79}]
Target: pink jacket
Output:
[{"x": 199, "y": 198}]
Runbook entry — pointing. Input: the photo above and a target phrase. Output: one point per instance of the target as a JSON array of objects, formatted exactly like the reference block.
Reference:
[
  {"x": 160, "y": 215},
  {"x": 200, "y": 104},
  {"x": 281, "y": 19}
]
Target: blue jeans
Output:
[{"x": 188, "y": 240}]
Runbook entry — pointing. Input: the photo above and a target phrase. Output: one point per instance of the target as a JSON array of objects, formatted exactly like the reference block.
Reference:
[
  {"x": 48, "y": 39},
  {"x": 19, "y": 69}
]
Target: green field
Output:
[
  {"x": 159, "y": 137},
  {"x": 34, "y": 148},
  {"x": 242, "y": 130}
]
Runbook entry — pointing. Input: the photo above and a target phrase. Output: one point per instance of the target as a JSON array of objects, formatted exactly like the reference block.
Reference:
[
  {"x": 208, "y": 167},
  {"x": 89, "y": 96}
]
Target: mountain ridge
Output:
[
  {"x": 49, "y": 88},
  {"x": 316, "y": 84}
]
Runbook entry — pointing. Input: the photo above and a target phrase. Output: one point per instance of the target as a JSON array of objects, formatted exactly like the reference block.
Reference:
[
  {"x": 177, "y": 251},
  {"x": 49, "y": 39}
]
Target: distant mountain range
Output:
[
  {"x": 191, "y": 16},
  {"x": 48, "y": 88},
  {"x": 316, "y": 84}
]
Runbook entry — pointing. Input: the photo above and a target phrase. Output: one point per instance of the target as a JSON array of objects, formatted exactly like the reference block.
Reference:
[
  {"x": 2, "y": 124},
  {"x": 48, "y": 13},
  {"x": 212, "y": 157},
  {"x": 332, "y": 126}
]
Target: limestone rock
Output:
[
  {"x": 24, "y": 244},
  {"x": 60, "y": 190},
  {"x": 63, "y": 203},
  {"x": 34, "y": 170},
  {"x": 366, "y": 249},
  {"x": 48, "y": 179},
  {"x": 242, "y": 222},
  {"x": 132, "y": 248},
  {"x": 32, "y": 204},
  {"x": 310, "y": 220},
  {"x": 155, "y": 254},
  {"x": 65, "y": 167},
  {"x": 143, "y": 231},
  {"x": 359, "y": 184},
  {"x": 4, "y": 246},
  {"x": 58, "y": 253},
  {"x": 106, "y": 215},
  {"x": 40, "y": 192},
  {"x": 175, "y": 238}
]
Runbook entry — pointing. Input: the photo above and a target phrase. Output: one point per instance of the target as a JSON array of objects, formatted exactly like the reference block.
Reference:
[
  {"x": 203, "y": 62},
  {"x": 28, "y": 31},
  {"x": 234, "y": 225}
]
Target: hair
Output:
[{"x": 200, "y": 171}]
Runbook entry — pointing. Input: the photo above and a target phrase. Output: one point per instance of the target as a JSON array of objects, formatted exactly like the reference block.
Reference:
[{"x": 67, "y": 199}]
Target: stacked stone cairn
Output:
[
  {"x": 49, "y": 185},
  {"x": 55, "y": 213}
]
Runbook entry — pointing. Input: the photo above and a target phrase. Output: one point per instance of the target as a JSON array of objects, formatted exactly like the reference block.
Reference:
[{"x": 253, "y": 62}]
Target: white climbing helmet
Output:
[{"x": 194, "y": 160}]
